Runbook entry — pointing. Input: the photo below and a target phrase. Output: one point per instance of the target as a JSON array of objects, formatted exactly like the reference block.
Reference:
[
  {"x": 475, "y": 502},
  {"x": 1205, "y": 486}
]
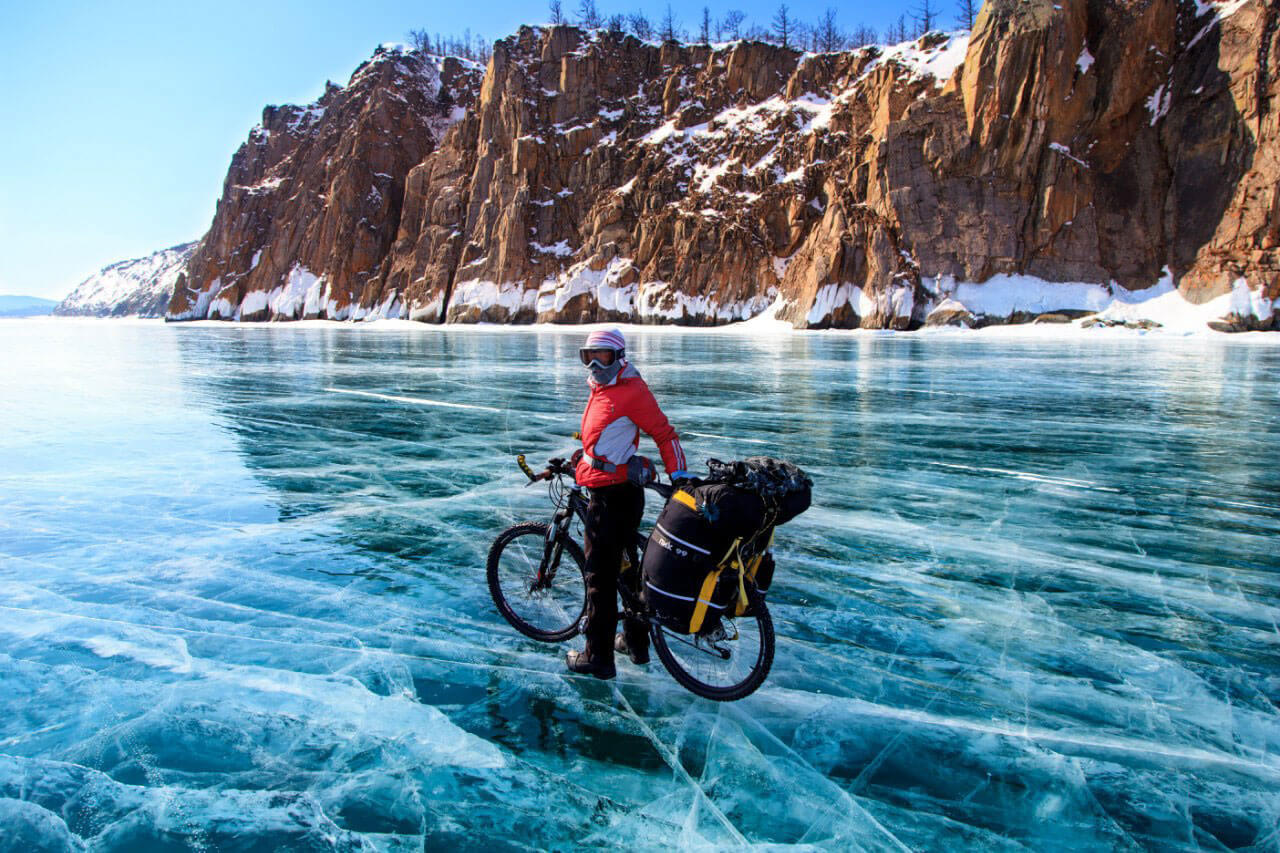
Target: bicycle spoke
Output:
[
  {"x": 545, "y": 610},
  {"x": 702, "y": 657}
]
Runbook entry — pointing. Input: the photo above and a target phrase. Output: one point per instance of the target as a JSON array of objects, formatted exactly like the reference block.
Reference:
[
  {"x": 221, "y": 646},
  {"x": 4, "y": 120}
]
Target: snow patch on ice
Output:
[
  {"x": 486, "y": 295},
  {"x": 1002, "y": 295},
  {"x": 1163, "y": 304},
  {"x": 170, "y": 653}
]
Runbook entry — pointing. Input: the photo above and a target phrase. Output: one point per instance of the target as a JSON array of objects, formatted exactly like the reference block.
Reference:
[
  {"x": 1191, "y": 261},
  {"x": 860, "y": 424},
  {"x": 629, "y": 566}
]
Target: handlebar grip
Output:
[{"x": 525, "y": 468}]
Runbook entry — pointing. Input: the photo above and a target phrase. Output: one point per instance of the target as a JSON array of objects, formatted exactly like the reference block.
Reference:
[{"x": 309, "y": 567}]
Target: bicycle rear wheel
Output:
[
  {"x": 538, "y": 584},
  {"x": 725, "y": 664}
]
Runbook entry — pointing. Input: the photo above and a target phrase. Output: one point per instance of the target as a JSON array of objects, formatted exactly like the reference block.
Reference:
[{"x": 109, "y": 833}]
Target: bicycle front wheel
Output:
[
  {"x": 725, "y": 664},
  {"x": 538, "y": 584}
]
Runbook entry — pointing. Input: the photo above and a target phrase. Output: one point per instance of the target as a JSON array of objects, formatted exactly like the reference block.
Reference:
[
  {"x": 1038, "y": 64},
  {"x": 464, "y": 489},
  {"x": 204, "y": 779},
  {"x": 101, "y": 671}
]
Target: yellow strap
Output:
[
  {"x": 742, "y": 588},
  {"x": 685, "y": 498},
  {"x": 704, "y": 595}
]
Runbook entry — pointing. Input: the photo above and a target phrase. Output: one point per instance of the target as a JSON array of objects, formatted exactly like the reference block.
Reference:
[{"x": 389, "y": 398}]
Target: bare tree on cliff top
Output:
[
  {"x": 926, "y": 16},
  {"x": 862, "y": 36},
  {"x": 827, "y": 35},
  {"x": 420, "y": 40},
  {"x": 640, "y": 25},
  {"x": 783, "y": 25},
  {"x": 730, "y": 25},
  {"x": 669, "y": 31},
  {"x": 588, "y": 15},
  {"x": 966, "y": 11},
  {"x": 897, "y": 32},
  {"x": 616, "y": 25},
  {"x": 704, "y": 32},
  {"x": 557, "y": 13}
]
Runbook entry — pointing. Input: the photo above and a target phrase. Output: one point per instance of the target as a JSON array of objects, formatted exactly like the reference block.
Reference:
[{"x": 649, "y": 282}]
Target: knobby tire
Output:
[
  {"x": 730, "y": 693},
  {"x": 570, "y": 580}
]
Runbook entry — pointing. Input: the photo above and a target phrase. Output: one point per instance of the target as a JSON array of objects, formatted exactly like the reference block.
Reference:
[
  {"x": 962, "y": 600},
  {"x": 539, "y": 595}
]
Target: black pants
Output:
[{"x": 613, "y": 516}]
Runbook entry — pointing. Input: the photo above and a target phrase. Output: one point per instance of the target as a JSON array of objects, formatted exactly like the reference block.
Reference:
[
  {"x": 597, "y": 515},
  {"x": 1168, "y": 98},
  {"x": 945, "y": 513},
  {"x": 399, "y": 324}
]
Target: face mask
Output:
[{"x": 604, "y": 375}]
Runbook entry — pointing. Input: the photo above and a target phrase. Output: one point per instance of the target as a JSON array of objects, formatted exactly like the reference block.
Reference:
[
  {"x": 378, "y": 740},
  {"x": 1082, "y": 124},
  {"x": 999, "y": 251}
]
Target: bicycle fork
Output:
[{"x": 552, "y": 549}]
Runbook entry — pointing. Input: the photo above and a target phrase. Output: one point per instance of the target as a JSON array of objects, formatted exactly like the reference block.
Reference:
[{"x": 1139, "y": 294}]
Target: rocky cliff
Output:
[
  {"x": 141, "y": 287},
  {"x": 1064, "y": 156}
]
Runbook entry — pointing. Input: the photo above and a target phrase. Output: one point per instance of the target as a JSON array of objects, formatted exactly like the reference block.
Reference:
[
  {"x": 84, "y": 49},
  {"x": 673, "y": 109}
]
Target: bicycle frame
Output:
[
  {"x": 559, "y": 545},
  {"x": 574, "y": 504}
]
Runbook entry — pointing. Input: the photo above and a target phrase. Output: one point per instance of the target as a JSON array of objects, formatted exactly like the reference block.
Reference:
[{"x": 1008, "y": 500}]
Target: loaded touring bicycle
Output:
[{"x": 699, "y": 580}]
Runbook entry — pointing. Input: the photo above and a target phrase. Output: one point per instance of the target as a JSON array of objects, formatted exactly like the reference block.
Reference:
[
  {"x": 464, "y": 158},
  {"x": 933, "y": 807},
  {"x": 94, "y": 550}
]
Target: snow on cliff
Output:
[{"x": 139, "y": 287}]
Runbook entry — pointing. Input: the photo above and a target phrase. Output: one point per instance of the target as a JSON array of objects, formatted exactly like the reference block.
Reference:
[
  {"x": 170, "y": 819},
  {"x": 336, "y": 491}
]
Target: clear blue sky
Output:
[{"x": 120, "y": 118}]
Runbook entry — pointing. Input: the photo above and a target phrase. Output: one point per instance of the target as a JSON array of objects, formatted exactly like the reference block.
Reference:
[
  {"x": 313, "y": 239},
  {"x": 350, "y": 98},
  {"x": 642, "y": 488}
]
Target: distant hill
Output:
[
  {"x": 139, "y": 287},
  {"x": 25, "y": 306}
]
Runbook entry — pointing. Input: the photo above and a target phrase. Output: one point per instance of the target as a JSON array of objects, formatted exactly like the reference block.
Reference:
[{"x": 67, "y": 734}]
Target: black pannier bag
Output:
[{"x": 712, "y": 541}]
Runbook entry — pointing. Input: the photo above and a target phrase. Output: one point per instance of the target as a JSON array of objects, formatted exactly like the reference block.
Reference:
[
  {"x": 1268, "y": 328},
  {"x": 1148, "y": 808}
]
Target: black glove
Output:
[{"x": 641, "y": 471}]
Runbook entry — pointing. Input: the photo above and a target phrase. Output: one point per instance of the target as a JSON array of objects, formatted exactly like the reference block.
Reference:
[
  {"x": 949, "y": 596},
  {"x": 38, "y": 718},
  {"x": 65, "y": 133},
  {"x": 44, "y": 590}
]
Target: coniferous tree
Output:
[
  {"x": 557, "y": 13},
  {"x": 783, "y": 25},
  {"x": 705, "y": 31}
]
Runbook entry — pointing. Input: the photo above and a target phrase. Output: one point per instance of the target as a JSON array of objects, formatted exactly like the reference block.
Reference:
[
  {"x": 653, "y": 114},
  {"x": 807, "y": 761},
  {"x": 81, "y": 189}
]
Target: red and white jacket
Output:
[{"x": 611, "y": 425}]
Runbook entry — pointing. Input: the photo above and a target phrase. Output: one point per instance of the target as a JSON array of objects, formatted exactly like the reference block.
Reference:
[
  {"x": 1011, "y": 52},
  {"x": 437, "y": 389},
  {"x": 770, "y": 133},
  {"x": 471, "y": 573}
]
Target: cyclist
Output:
[{"x": 620, "y": 405}]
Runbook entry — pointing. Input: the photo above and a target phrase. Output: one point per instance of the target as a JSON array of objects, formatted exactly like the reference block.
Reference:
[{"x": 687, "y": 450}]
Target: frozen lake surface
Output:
[{"x": 1035, "y": 605}]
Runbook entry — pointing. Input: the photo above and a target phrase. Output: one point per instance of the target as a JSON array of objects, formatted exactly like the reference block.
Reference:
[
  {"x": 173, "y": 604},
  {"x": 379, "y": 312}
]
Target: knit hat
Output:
[{"x": 605, "y": 339}]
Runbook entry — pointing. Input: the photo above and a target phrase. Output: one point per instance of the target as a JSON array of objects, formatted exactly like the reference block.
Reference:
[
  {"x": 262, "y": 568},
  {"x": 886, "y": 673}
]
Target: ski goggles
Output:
[{"x": 602, "y": 357}]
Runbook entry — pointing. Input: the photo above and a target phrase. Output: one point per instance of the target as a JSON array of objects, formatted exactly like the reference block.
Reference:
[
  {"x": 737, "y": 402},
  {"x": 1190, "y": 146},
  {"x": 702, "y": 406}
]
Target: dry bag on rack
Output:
[{"x": 712, "y": 540}]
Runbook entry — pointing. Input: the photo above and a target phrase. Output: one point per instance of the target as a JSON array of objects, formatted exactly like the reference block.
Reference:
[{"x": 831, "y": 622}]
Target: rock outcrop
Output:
[
  {"x": 313, "y": 199},
  {"x": 1073, "y": 150},
  {"x": 141, "y": 287}
]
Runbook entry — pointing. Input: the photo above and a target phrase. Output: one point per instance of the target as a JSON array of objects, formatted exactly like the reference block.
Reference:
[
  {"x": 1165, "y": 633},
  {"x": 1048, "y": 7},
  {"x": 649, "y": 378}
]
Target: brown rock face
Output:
[
  {"x": 313, "y": 199},
  {"x": 587, "y": 177}
]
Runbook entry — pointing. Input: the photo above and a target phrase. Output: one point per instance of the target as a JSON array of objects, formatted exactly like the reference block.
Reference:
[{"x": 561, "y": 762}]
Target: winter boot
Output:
[
  {"x": 639, "y": 658},
  {"x": 579, "y": 662}
]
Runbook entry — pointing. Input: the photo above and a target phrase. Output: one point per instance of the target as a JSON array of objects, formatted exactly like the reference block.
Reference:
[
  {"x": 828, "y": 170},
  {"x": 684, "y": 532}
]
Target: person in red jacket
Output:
[{"x": 619, "y": 408}]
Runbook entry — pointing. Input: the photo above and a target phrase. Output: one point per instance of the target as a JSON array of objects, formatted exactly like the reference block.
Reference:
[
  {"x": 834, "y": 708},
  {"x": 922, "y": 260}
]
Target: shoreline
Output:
[{"x": 757, "y": 326}]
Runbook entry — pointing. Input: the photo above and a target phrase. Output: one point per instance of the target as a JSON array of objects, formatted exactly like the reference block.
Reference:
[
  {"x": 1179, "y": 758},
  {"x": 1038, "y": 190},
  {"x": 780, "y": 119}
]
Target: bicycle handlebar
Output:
[
  {"x": 554, "y": 467},
  {"x": 559, "y": 466}
]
